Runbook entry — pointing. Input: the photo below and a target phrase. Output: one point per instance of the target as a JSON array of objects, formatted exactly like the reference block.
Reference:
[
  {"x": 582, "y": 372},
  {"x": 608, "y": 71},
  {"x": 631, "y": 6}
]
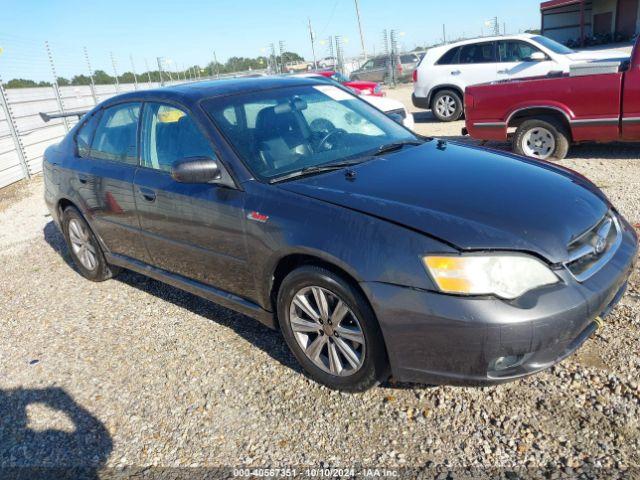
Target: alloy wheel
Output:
[
  {"x": 446, "y": 106},
  {"x": 81, "y": 244},
  {"x": 327, "y": 331},
  {"x": 538, "y": 143}
]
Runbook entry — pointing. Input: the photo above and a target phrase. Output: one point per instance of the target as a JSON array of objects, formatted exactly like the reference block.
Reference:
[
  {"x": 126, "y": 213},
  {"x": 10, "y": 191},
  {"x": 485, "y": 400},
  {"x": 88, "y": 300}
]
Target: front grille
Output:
[
  {"x": 400, "y": 111},
  {"x": 594, "y": 248}
]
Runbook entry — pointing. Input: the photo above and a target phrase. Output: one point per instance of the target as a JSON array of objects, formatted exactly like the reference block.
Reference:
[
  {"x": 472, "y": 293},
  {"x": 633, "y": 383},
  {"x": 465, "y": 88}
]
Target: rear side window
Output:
[
  {"x": 85, "y": 135},
  {"x": 408, "y": 58},
  {"x": 478, "y": 53},
  {"x": 449, "y": 58},
  {"x": 116, "y": 136}
]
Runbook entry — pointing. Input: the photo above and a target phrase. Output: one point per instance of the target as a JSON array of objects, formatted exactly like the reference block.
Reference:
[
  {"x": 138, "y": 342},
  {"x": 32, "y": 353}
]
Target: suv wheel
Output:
[
  {"x": 331, "y": 330},
  {"x": 542, "y": 139},
  {"x": 447, "y": 106},
  {"x": 84, "y": 247}
]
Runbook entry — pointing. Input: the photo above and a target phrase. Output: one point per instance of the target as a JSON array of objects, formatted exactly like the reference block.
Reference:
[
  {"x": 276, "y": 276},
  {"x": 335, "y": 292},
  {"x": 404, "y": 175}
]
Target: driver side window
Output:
[{"x": 168, "y": 135}]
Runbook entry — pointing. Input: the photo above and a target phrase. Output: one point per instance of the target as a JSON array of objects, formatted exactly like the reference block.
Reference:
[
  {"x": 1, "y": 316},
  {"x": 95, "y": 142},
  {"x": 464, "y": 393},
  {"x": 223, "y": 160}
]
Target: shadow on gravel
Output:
[
  {"x": 32, "y": 446},
  {"x": 270, "y": 341}
]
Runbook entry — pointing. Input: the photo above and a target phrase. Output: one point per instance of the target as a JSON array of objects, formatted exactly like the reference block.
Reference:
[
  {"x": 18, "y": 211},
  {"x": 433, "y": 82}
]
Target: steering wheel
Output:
[{"x": 324, "y": 145}]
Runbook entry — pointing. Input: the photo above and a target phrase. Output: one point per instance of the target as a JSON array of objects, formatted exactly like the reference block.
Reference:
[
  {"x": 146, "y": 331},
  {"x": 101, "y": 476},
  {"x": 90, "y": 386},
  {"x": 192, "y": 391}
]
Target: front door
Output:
[
  {"x": 193, "y": 230},
  {"x": 627, "y": 17},
  {"x": 516, "y": 61},
  {"x": 102, "y": 175}
]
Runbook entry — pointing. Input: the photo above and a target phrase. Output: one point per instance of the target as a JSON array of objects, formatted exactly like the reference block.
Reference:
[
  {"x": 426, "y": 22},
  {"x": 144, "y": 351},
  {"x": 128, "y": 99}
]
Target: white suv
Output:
[{"x": 445, "y": 72}]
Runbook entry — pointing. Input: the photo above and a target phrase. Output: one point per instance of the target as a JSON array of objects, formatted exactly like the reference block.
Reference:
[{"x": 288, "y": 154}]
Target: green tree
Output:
[
  {"x": 103, "y": 78},
  {"x": 62, "y": 82}
]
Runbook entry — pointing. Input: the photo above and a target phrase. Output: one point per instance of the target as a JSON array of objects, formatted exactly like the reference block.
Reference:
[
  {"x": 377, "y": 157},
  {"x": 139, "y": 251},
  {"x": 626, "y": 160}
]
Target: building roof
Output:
[{"x": 558, "y": 3}]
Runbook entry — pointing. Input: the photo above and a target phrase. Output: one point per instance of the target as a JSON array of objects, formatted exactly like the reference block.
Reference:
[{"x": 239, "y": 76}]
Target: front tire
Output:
[
  {"x": 331, "y": 329},
  {"x": 543, "y": 139},
  {"x": 84, "y": 248},
  {"x": 447, "y": 106}
]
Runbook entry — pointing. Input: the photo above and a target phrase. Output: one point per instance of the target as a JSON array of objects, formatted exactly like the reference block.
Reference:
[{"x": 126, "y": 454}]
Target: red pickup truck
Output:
[{"x": 597, "y": 101}]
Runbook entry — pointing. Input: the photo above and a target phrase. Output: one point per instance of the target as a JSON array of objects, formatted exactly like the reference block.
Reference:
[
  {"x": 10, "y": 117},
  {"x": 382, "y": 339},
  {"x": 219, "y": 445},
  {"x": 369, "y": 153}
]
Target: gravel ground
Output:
[{"x": 134, "y": 373}]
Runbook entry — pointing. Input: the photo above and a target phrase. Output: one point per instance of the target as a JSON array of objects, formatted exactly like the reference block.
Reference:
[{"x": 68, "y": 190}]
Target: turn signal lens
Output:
[{"x": 506, "y": 275}]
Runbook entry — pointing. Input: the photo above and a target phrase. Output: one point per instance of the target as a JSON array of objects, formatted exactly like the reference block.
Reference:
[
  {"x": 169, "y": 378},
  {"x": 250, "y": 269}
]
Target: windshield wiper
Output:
[
  {"x": 327, "y": 167},
  {"x": 392, "y": 147}
]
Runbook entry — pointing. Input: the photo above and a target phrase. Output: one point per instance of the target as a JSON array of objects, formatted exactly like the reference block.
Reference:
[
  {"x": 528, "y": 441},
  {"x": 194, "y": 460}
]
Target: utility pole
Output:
[
  {"x": 444, "y": 34},
  {"x": 364, "y": 50},
  {"x": 313, "y": 45}
]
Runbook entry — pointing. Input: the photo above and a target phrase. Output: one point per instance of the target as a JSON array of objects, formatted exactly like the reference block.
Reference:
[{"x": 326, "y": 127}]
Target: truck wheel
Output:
[
  {"x": 544, "y": 139},
  {"x": 447, "y": 106}
]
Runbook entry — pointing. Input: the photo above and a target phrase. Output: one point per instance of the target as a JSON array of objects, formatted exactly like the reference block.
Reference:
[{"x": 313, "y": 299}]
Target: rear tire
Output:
[
  {"x": 84, "y": 247},
  {"x": 447, "y": 106},
  {"x": 543, "y": 139},
  {"x": 339, "y": 345}
]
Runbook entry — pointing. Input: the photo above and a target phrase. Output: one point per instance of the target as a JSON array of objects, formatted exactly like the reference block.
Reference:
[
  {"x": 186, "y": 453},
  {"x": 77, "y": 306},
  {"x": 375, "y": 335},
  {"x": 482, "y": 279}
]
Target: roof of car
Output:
[{"x": 193, "y": 92}]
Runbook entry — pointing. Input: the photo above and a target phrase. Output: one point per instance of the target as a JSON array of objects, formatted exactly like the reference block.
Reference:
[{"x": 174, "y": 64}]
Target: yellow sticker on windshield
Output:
[{"x": 334, "y": 93}]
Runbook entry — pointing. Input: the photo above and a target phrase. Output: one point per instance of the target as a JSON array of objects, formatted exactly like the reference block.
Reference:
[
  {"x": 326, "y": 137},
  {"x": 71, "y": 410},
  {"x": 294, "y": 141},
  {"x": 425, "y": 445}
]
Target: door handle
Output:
[
  {"x": 456, "y": 72},
  {"x": 148, "y": 194},
  {"x": 83, "y": 179},
  {"x": 503, "y": 71}
]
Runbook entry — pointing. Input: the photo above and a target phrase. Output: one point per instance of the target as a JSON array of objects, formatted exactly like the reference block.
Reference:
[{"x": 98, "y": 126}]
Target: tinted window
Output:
[
  {"x": 408, "y": 58},
  {"x": 379, "y": 62},
  {"x": 85, "y": 135},
  {"x": 516, "y": 51},
  {"x": 115, "y": 137},
  {"x": 450, "y": 57},
  {"x": 478, "y": 53},
  {"x": 169, "y": 134}
]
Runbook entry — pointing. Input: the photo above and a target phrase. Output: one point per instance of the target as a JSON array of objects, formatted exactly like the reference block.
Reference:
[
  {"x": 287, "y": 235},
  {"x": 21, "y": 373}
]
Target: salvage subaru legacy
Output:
[{"x": 376, "y": 252}]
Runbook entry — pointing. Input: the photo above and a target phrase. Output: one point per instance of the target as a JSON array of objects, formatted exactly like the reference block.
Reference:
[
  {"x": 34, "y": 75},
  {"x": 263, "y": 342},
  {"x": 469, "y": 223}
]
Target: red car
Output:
[
  {"x": 597, "y": 101},
  {"x": 360, "y": 87}
]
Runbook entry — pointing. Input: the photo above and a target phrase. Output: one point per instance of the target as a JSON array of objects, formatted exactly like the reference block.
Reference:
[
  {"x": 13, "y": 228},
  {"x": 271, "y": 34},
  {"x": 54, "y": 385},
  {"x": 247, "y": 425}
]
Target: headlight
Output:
[{"x": 504, "y": 275}]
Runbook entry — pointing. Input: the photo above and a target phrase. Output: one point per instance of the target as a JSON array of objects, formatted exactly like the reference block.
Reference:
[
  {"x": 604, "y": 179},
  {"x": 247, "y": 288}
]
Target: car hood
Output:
[
  {"x": 468, "y": 197},
  {"x": 385, "y": 104},
  {"x": 596, "y": 55}
]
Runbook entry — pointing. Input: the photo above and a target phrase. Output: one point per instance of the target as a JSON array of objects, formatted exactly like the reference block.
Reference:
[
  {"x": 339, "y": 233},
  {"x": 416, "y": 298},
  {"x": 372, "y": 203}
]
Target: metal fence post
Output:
[
  {"x": 56, "y": 88},
  {"x": 93, "y": 83},
  {"x": 13, "y": 128},
  {"x": 133, "y": 68},
  {"x": 148, "y": 73},
  {"x": 115, "y": 72}
]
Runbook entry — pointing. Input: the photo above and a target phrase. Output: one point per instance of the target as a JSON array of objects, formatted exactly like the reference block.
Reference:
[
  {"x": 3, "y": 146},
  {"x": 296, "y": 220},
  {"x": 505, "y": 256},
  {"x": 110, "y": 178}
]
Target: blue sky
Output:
[{"x": 188, "y": 31}]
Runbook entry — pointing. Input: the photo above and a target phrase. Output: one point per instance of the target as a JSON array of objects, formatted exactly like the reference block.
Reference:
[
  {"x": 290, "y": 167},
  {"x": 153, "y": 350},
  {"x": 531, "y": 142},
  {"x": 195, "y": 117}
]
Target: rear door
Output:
[
  {"x": 476, "y": 63},
  {"x": 102, "y": 177},
  {"x": 193, "y": 230},
  {"x": 515, "y": 60}
]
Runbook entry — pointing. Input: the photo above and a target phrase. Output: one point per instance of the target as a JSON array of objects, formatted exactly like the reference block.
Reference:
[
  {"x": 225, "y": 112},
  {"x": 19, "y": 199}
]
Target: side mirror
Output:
[
  {"x": 537, "y": 57},
  {"x": 396, "y": 117},
  {"x": 196, "y": 170}
]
